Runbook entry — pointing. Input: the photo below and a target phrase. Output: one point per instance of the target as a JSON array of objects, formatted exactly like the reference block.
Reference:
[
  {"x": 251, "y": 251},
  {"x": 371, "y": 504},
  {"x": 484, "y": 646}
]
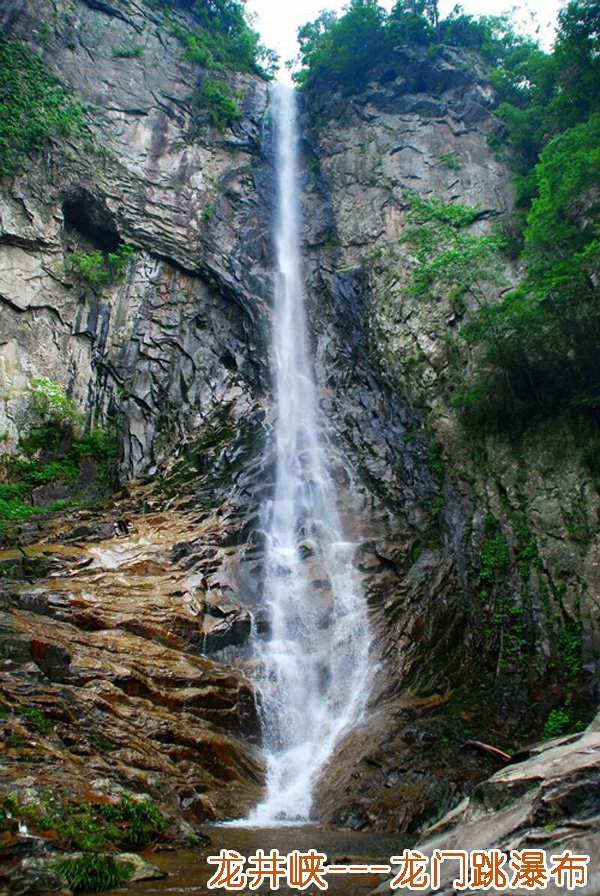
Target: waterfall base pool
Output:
[{"x": 189, "y": 871}]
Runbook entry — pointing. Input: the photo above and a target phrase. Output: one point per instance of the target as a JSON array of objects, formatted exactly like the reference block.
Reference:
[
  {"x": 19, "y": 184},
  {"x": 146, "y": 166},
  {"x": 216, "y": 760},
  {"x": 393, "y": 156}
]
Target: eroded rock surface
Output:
[
  {"x": 482, "y": 582},
  {"x": 112, "y": 650},
  {"x": 549, "y": 802},
  {"x": 183, "y": 337},
  {"x": 133, "y": 647}
]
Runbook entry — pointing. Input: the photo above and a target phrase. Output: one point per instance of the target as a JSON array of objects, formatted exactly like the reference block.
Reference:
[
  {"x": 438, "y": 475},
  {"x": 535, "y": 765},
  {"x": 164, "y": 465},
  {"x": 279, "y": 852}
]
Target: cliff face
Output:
[
  {"x": 486, "y": 606},
  {"x": 149, "y": 640},
  {"x": 187, "y": 198},
  {"x": 129, "y": 653}
]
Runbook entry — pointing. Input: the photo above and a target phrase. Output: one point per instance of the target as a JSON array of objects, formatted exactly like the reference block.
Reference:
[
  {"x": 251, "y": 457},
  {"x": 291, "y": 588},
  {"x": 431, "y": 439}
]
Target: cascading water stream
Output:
[{"x": 315, "y": 664}]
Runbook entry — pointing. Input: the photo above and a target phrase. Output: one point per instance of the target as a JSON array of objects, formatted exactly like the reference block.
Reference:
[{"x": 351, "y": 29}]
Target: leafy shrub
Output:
[
  {"x": 43, "y": 464},
  {"x": 14, "y": 508},
  {"x": 45, "y": 33},
  {"x": 569, "y": 647},
  {"x": 95, "y": 827},
  {"x": 218, "y": 99},
  {"x": 48, "y": 401},
  {"x": 100, "y": 444},
  {"x": 100, "y": 267},
  {"x": 436, "y": 458},
  {"x": 224, "y": 39},
  {"x": 450, "y": 260},
  {"x": 36, "y": 721},
  {"x": 141, "y": 821},
  {"x": 34, "y": 106},
  {"x": 131, "y": 52},
  {"x": 494, "y": 553},
  {"x": 557, "y": 723},
  {"x": 92, "y": 872},
  {"x": 451, "y": 160}
]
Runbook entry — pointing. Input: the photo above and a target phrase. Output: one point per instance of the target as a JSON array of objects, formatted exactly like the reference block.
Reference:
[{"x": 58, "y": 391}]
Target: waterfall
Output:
[{"x": 314, "y": 666}]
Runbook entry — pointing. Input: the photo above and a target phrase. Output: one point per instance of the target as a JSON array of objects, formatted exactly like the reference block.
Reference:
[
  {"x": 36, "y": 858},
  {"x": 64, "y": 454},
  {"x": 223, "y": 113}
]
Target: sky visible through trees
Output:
[{"x": 278, "y": 22}]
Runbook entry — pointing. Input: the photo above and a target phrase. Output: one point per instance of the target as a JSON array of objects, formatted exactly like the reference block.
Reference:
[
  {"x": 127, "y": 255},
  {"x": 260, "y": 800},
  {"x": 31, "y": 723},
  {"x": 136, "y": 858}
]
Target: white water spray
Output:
[{"x": 315, "y": 665}]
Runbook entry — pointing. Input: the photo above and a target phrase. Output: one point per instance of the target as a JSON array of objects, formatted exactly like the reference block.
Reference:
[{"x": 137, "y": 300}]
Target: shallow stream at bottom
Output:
[{"x": 188, "y": 870}]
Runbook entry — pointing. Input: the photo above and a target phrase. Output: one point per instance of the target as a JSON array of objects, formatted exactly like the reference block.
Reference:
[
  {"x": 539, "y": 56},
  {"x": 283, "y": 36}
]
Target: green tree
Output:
[
  {"x": 451, "y": 260},
  {"x": 100, "y": 267},
  {"x": 541, "y": 341},
  {"x": 48, "y": 401},
  {"x": 343, "y": 48},
  {"x": 577, "y": 56},
  {"x": 218, "y": 99},
  {"x": 225, "y": 38},
  {"x": 413, "y": 22}
]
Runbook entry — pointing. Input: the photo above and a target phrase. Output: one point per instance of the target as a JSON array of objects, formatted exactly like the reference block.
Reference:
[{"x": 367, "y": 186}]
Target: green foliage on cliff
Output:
[
  {"x": 51, "y": 452},
  {"x": 346, "y": 48},
  {"x": 451, "y": 260},
  {"x": 47, "y": 400},
  {"x": 540, "y": 94},
  {"x": 538, "y": 346},
  {"x": 100, "y": 267},
  {"x": 494, "y": 555},
  {"x": 221, "y": 40},
  {"x": 536, "y": 349},
  {"x": 223, "y": 37},
  {"x": 130, "y": 52},
  {"x": 558, "y": 722},
  {"x": 21, "y": 475},
  {"x": 544, "y": 94},
  {"x": 36, "y": 721},
  {"x": 138, "y": 821},
  {"x": 219, "y": 101},
  {"x": 34, "y": 106},
  {"x": 93, "y": 827}
]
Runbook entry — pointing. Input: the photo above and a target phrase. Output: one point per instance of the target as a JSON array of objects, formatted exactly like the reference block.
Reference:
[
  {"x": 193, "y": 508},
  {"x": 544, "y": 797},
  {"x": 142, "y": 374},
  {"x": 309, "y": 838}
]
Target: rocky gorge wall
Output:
[
  {"x": 189, "y": 201},
  {"x": 173, "y": 358},
  {"x": 486, "y": 604},
  {"x": 474, "y": 559}
]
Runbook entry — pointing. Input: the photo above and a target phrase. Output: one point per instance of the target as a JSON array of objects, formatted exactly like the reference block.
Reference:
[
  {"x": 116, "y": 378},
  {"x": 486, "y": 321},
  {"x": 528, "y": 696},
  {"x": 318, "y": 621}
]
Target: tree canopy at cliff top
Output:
[
  {"x": 540, "y": 94},
  {"x": 224, "y": 37},
  {"x": 348, "y": 47}
]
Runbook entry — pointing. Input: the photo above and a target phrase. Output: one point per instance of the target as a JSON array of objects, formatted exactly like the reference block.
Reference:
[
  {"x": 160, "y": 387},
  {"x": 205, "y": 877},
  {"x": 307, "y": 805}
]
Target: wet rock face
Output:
[
  {"x": 184, "y": 334},
  {"x": 548, "y": 802},
  {"x": 459, "y": 658},
  {"x": 178, "y": 350},
  {"x": 116, "y": 651},
  {"x": 421, "y": 124},
  {"x": 135, "y": 647}
]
